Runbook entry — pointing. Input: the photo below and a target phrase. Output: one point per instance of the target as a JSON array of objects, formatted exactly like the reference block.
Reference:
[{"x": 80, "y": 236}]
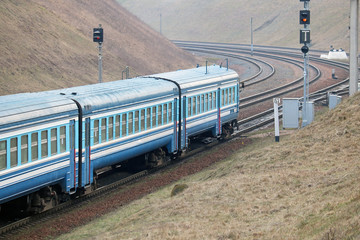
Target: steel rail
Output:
[{"x": 297, "y": 81}]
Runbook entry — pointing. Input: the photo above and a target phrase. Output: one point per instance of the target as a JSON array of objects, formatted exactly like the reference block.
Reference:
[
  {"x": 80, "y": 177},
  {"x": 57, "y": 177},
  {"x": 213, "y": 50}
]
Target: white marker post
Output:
[{"x": 276, "y": 119}]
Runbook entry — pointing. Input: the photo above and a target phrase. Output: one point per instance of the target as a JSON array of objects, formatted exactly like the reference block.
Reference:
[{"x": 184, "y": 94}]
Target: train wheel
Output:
[
  {"x": 226, "y": 131},
  {"x": 94, "y": 184},
  {"x": 156, "y": 158}
]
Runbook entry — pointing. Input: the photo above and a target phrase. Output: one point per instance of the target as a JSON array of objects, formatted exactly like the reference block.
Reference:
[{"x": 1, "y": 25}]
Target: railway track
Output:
[
  {"x": 281, "y": 54},
  {"x": 254, "y": 122}
]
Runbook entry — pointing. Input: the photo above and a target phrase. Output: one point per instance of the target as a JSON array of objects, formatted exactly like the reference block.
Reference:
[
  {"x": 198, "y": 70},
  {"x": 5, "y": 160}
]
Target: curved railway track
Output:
[
  {"x": 253, "y": 122},
  {"x": 282, "y": 54}
]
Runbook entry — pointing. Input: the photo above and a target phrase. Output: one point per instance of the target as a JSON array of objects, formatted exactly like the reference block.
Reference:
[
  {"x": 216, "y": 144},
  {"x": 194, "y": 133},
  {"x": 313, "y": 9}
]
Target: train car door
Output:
[
  {"x": 72, "y": 181},
  {"x": 175, "y": 117},
  {"x": 87, "y": 170},
  {"x": 184, "y": 141},
  {"x": 218, "y": 106}
]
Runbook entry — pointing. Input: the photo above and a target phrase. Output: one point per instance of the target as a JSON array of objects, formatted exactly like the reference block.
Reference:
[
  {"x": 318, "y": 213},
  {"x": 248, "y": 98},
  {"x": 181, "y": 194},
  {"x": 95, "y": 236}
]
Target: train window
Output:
[
  {"x": 206, "y": 102},
  {"x": 136, "y": 121},
  {"x": 198, "y": 105},
  {"x": 214, "y": 101},
  {"x": 62, "y": 139},
  {"x": 24, "y": 149},
  {"x": 159, "y": 115},
  {"x": 123, "y": 125},
  {"x": 223, "y": 97},
  {"x": 202, "y": 103},
  {"x": 210, "y": 101},
  {"x": 233, "y": 95},
  {"x": 164, "y": 114},
  {"x": 142, "y": 120},
  {"x": 148, "y": 119},
  {"x": 130, "y": 123},
  {"x": 170, "y": 112},
  {"x": 188, "y": 107},
  {"x": 34, "y": 147},
  {"x": 2, "y": 155},
  {"x": 193, "y": 102},
  {"x": 230, "y": 95},
  {"x": 44, "y": 144},
  {"x": 154, "y": 117},
  {"x": 53, "y": 141},
  {"x": 117, "y": 126},
  {"x": 103, "y": 130},
  {"x": 13, "y": 152},
  {"x": 96, "y": 132},
  {"x": 226, "y": 96},
  {"x": 111, "y": 128}
]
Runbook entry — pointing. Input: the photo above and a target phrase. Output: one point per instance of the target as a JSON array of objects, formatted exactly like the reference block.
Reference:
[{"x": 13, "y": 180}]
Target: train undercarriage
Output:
[{"x": 50, "y": 196}]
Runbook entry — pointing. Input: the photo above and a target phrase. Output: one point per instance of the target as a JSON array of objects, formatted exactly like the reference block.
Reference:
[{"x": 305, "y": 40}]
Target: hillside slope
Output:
[
  {"x": 48, "y": 44},
  {"x": 304, "y": 187},
  {"x": 274, "y": 22}
]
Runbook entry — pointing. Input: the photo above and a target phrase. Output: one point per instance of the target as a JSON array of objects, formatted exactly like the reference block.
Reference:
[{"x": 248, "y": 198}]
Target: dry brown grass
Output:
[
  {"x": 305, "y": 187},
  {"x": 48, "y": 45}
]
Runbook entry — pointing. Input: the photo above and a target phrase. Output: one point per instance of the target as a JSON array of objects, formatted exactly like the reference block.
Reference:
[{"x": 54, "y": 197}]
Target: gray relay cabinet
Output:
[{"x": 290, "y": 113}]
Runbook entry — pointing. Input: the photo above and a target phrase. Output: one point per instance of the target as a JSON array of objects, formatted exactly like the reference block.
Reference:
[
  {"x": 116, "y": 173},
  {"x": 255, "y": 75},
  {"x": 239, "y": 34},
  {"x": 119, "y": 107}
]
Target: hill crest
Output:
[
  {"x": 275, "y": 22},
  {"x": 48, "y": 44}
]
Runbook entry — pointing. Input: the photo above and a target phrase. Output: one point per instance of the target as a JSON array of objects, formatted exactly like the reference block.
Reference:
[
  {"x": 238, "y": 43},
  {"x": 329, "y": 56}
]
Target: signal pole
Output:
[
  {"x": 305, "y": 39},
  {"x": 160, "y": 24},
  {"x": 100, "y": 62},
  {"x": 252, "y": 39},
  {"x": 354, "y": 72},
  {"x": 98, "y": 36}
]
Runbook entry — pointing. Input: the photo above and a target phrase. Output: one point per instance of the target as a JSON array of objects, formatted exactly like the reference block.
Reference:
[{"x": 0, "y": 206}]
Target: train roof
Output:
[
  {"x": 104, "y": 96},
  {"x": 26, "y": 106},
  {"x": 107, "y": 95},
  {"x": 198, "y": 77}
]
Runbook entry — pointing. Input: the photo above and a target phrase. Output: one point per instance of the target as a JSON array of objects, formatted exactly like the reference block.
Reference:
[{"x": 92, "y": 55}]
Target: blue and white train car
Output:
[
  {"x": 52, "y": 143},
  {"x": 35, "y": 151},
  {"x": 210, "y": 100}
]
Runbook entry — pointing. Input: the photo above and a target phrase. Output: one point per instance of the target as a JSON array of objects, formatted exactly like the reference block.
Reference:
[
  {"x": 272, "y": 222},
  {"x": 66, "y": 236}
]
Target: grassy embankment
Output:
[
  {"x": 48, "y": 45},
  {"x": 305, "y": 187}
]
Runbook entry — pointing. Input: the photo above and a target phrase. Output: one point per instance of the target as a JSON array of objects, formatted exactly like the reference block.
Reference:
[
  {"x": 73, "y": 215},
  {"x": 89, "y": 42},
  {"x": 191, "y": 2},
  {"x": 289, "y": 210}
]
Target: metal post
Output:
[
  {"x": 160, "y": 24},
  {"x": 306, "y": 78},
  {"x": 227, "y": 64},
  {"x": 354, "y": 72},
  {"x": 252, "y": 39},
  {"x": 276, "y": 119},
  {"x": 100, "y": 62},
  {"x": 304, "y": 118}
]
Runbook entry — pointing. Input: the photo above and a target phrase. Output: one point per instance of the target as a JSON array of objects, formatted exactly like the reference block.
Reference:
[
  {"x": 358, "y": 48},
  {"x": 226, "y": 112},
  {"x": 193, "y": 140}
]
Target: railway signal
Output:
[
  {"x": 305, "y": 39},
  {"x": 304, "y": 16},
  {"x": 305, "y": 49},
  {"x": 98, "y": 36}
]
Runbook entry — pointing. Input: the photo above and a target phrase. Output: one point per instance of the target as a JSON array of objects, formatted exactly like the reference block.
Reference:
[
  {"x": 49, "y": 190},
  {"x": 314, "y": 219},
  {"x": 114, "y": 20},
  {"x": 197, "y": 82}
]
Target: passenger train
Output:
[{"x": 52, "y": 143}]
